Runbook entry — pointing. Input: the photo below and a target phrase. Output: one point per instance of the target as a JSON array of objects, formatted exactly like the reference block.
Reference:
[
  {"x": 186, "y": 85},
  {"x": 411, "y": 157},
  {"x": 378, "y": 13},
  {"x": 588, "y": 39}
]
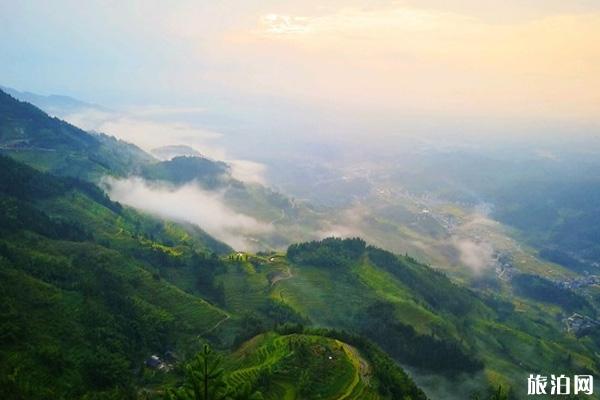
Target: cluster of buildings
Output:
[
  {"x": 165, "y": 363},
  {"x": 504, "y": 266},
  {"x": 588, "y": 280},
  {"x": 578, "y": 323}
]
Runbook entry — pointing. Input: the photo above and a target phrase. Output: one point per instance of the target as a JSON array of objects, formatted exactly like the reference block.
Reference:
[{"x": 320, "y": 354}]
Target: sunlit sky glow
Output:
[{"x": 506, "y": 60}]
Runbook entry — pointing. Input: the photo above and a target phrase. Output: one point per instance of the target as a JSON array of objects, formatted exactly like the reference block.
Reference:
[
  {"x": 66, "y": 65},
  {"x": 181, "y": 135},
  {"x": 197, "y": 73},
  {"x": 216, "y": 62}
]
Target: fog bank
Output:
[{"x": 188, "y": 203}]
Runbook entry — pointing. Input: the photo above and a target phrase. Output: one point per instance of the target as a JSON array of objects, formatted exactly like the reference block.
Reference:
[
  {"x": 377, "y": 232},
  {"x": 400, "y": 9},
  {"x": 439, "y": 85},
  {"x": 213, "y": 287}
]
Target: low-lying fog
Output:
[{"x": 188, "y": 203}]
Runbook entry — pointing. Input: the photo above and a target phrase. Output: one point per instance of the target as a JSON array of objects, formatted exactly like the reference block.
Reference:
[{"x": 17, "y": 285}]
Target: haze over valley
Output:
[{"x": 311, "y": 200}]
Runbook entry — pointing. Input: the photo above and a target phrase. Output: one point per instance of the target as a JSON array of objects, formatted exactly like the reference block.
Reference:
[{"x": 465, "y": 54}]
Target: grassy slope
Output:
[{"x": 510, "y": 345}]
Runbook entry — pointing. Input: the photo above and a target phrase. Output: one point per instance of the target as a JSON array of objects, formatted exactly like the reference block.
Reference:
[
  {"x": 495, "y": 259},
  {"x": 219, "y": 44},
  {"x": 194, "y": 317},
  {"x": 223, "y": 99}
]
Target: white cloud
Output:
[
  {"x": 285, "y": 24},
  {"x": 191, "y": 204},
  {"x": 476, "y": 255},
  {"x": 154, "y": 111},
  {"x": 137, "y": 127},
  {"x": 145, "y": 127},
  {"x": 248, "y": 171}
]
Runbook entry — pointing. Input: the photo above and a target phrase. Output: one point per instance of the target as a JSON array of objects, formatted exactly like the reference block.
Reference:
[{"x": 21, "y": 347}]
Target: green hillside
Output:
[
  {"x": 414, "y": 313},
  {"x": 179, "y": 170},
  {"x": 301, "y": 365},
  {"x": 92, "y": 289},
  {"x": 84, "y": 300},
  {"x": 49, "y": 144}
]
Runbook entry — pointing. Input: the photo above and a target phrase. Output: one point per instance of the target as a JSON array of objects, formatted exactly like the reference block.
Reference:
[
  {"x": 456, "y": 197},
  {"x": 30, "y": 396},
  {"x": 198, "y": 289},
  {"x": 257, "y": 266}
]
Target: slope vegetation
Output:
[{"x": 84, "y": 301}]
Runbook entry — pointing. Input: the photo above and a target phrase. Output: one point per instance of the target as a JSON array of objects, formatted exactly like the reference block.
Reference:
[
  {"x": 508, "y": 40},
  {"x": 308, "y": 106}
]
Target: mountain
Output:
[
  {"x": 69, "y": 253},
  {"x": 50, "y": 144},
  {"x": 91, "y": 289},
  {"x": 551, "y": 200},
  {"x": 184, "y": 169},
  {"x": 104, "y": 301},
  {"x": 444, "y": 333},
  {"x": 318, "y": 364},
  {"x": 53, "y": 104},
  {"x": 82, "y": 287}
]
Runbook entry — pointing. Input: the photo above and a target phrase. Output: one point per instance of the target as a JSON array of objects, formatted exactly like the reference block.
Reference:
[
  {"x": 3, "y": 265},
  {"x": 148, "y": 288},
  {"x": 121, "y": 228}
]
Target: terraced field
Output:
[
  {"x": 301, "y": 366},
  {"x": 331, "y": 299},
  {"x": 338, "y": 298},
  {"x": 321, "y": 295},
  {"x": 245, "y": 288}
]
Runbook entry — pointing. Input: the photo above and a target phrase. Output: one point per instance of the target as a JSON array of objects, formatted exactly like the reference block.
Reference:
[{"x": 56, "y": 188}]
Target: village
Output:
[
  {"x": 580, "y": 282},
  {"x": 579, "y": 324}
]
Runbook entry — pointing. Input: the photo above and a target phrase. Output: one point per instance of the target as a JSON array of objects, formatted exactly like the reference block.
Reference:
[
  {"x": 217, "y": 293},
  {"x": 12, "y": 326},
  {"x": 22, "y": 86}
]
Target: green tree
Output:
[{"x": 203, "y": 379}]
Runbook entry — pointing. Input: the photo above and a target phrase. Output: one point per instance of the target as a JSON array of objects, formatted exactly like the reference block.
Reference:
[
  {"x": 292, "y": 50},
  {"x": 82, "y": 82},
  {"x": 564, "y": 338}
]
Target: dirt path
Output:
[
  {"x": 280, "y": 218},
  {"x": 361, "y": 369},
  {"x": 282, "y": 277},
  {"x": 227, "y": 316}
]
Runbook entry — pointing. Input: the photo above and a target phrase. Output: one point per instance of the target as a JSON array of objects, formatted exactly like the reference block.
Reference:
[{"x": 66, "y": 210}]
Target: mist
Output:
[
  {"x": 155, "y": 127},
  {"x": 149, "y": 128},
  {"x": 188, "y": 203},
  {"x": 476, "y": 255}
]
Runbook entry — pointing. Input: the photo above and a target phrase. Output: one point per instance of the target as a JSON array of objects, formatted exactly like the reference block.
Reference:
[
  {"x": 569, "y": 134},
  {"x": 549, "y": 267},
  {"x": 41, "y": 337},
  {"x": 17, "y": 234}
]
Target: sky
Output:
[
  {"x": 319, "y": 67},
  {"x": 272, "y": 87}
]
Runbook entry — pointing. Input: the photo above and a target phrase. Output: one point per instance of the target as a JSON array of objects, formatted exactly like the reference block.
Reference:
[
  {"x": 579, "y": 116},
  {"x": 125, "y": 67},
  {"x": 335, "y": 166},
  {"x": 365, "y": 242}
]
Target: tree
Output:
[{"x": 203, "y": 379}]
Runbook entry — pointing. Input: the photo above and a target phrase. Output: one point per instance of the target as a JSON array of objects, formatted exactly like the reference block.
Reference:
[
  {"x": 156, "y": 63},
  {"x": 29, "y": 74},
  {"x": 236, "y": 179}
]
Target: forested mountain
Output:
[
  {"x": 84, "y": 300},
  {"x": 50, "y": 144},
  {"x": 103, "y": 301},
  {"x": 54, "y": 104},
  {"x": 211, "y": 174},
  {"x": 104, "y": 287},
  {"x": 91, "y": 288}
]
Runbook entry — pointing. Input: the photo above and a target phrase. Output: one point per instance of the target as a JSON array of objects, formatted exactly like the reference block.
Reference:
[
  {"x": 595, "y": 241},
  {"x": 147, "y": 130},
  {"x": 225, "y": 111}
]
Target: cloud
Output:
[
  {"x": 367, "y": 22},
  {"x": 476, "y": 255},
  {"x": 475, "y": 239},
  {"x": 147, "y": 128},
  {"x": 191, "y": 204},
  {"x": 282, "y": 24},
  {"x": 154, "y": 111},
  {"x": 248, "y": 171},
  {"x": 139, "y": 127},
  {"x": 399, "y": 58}
]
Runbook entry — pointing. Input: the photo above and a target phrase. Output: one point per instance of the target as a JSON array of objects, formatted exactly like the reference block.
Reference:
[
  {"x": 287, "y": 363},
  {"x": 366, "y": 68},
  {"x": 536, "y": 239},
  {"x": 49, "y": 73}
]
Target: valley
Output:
[{"x": 457, "y": 299}]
